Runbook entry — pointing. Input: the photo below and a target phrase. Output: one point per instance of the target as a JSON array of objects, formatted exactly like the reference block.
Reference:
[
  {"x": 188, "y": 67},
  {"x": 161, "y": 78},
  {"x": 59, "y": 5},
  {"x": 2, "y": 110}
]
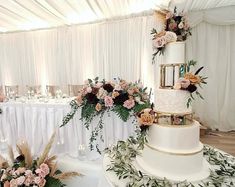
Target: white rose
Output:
[
  {"x": 101, "y": 93},
  {"x": 181, "y": 25},
  {"x": 137, "y": 99},
  {"x": 170, "y": 37}
]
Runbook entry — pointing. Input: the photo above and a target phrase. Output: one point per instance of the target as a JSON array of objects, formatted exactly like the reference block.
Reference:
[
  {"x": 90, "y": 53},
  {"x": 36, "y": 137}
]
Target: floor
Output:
[{"x": 221, "y": 140}]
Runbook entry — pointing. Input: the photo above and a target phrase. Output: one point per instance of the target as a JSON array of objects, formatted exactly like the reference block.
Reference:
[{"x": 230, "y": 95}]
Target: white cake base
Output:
[{"x": 176, "y": 167}]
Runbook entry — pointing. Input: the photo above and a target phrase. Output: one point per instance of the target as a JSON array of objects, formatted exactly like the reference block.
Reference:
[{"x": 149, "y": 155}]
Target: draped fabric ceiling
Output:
[{"x": 21, "y": 15}]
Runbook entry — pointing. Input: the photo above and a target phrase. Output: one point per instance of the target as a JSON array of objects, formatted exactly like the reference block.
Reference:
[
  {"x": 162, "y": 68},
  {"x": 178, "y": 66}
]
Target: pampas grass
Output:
[
  {"x": 67, "y": 175},
  {"x": 46, "y": 151},
  {"x": 23, "y": 149}
]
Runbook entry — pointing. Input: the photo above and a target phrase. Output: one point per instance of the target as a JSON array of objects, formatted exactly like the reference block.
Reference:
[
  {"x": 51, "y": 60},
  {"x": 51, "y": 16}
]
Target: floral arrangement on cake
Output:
[
  {"x": 176, "y": 29},
  {"x": 121, "y": 97},
  {"x": 191, "y": 81},
  {"x": 146, "y": 118},
  {"x": 25, "y": 171}
]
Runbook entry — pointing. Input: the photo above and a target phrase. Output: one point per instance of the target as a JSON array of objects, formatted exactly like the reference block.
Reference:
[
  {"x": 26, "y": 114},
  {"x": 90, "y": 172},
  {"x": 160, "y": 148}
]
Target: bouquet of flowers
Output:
[
  {"x": 121, "y": 97},
  {"x": 146, "y": 118},
  {"x": 191, "y": 81},
  {"x": 176, "y": 29},
  {"x": 25, "y": 171}
]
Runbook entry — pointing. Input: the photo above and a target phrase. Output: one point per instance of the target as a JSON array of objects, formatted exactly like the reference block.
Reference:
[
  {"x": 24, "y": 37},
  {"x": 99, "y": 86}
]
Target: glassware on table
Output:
[{"x": 82, "y": 151}]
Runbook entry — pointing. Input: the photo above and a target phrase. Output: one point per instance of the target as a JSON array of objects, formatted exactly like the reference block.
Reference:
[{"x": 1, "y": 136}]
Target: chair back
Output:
[
  {"x": 51, "y": 89},
  {"x": 11, "y": 91},
  {"x": 74, "y": 89},
  {"x": 35, "y": 89}
]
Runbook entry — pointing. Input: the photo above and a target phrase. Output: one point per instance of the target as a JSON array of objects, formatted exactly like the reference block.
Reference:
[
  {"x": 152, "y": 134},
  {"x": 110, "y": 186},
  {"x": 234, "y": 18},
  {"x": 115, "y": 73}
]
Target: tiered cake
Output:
[{"x": 173, "y": 150}]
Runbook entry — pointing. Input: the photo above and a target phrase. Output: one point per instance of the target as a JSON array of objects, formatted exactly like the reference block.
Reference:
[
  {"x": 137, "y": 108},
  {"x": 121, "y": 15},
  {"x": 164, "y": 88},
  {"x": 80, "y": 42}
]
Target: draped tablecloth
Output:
[{"x": 35, "y": 122}]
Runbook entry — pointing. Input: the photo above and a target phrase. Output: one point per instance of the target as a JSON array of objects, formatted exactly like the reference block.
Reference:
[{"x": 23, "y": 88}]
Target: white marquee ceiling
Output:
[{"x": 18, "y": 15}]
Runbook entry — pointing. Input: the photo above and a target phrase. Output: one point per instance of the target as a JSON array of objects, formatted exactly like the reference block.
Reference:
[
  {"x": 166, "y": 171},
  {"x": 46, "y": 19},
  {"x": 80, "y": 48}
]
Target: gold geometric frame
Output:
[
  {"x": 164, "y": 118},
  {"x": 182, "y": 67}
]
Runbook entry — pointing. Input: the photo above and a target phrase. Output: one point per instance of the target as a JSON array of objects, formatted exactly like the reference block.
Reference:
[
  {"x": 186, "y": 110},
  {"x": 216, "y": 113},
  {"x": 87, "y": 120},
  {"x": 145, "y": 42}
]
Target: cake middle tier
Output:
[
  {"x": 172, "y": 101},
  {"x": 177, "y": 139}
]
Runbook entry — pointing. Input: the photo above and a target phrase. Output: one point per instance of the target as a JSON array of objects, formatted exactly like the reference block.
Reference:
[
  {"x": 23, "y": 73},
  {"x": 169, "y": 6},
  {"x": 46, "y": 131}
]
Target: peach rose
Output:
[
  {"x": 115, "y": 94},
  {"x": 177, "y": 86},
  {"x": 194, "y": 79},
  {"x": 130, "y": 103},
  {"x": 37, "y": 180},
  {"x": 98, "y": 107},
  {"x": 6, "y": 184},
  {"x": 13, "y": 183},
  {"x": 89, "y": 89},
  {"x": 146, "y": 119}
]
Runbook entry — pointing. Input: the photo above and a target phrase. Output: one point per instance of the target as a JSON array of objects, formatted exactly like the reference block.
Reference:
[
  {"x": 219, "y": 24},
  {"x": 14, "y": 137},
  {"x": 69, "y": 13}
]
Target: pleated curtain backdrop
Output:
[{"x": 122, "y": 48}]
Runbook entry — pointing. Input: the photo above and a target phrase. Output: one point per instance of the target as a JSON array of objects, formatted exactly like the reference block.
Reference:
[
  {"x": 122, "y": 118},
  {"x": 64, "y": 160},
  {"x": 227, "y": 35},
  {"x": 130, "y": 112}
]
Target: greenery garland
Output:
[{"x": 124, "y": 153}]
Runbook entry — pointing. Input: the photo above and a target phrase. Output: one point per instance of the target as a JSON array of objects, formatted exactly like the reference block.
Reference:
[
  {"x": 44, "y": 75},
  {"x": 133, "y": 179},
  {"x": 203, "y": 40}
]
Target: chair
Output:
[
  {"x": 11, "y": 91},
  {"x": 35, "y": 89},
  {"x": 51, "y": 89},
  {"x": 74, "y": 89}
]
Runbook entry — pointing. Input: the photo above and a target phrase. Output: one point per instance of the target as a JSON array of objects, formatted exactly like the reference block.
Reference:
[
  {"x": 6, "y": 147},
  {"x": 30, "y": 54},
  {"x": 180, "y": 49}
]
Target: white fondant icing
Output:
[
  {"x": 172, "y": 101},
  {"x": 174, "y": 53},
  {"x": 175, "y": 139},
  {"x": 174, "y": 167}
]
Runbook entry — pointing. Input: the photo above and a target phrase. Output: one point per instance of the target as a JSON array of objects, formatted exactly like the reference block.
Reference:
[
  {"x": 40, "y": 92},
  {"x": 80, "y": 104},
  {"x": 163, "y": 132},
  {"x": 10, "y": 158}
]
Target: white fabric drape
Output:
[
  {"x": 70, "y": 55},
  {"x": 121, "y": 48},
  {"x": 214, "y": 48},
  {"x": 217, "y": 16}
]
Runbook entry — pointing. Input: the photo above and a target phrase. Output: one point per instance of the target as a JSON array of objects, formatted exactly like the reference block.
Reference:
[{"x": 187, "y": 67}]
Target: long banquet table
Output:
[{"x": 35, "y": 122}]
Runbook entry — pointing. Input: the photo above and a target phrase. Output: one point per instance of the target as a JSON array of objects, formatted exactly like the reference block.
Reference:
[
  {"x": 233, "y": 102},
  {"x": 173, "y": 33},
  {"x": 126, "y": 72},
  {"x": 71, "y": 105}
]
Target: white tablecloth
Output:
[{"x": 36, "y": 121}]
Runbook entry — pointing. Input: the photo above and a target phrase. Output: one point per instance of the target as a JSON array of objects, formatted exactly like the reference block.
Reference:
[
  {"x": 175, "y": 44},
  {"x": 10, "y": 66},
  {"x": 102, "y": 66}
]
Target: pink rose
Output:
[
  {"x": 108, "y": 101},
  {"x": 173, "y": 26},
  {"x": 42, "y": 183},
  {"x": 45, "y": 168},
  {"x": 184, "y": 82},
  {"x": 159, "y": 42},
  {"x": 20, "y": 180},
  {"x": 28, "y": 181},
  {"x": 41, "y": 173},
  {"x": 130, "y": 103},
  {"x": 117, "y": 87},
  {"x": 28, "y": 172},
  {"x": 89, "y": 89},
  {"x": 98, "y": 85},
  {"x": 2, "y": 98},
  {"x": 13, "y": 183},
  {"x": 37, "y": 180}
]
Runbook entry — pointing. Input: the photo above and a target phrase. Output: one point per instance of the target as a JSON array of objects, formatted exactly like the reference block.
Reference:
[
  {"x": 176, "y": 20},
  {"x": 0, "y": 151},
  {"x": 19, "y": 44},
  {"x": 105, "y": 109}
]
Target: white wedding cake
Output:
[{"x": 174, "y": 151}]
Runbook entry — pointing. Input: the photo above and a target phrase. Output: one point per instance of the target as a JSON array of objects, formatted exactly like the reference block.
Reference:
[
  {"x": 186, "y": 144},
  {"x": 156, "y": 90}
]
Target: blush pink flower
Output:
[
  {"x": 89, "y": 89},
  {"x": 40, "y": 172},
  {"x": 37, "y": 180},
  {"x": 20, "y": 180},
  {"x": 108, "y": 101},
  {"x": 2, "y": 98},
  {"x": 159, "y": 42},
  {"x": 42, "y": 183},
  {"x": 130, "y": 103},
  {"x": 184, "y": 82},
  {"x": 44, "y": 167},
  {"x": 28, "y": 181},
  {"x": 13, "y": 183}
]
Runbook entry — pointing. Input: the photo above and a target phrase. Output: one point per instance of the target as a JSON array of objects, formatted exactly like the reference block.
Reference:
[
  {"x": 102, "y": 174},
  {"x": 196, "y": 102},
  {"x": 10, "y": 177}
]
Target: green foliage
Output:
[
  {"x": 52, "y": 182},
  {"x": 70, "y": 115},
  {"x": 123, "y": 154},
  {"x": 122, "y": 112},
  {"x": 88, "y": 113},
  {"x": 191, "y": 63},
  {"x": 139, "y": 107}
]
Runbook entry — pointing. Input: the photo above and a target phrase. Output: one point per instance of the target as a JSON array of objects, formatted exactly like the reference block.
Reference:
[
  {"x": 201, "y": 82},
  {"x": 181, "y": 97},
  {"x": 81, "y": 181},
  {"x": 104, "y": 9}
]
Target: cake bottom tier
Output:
[{"x": 175, "y": 167}]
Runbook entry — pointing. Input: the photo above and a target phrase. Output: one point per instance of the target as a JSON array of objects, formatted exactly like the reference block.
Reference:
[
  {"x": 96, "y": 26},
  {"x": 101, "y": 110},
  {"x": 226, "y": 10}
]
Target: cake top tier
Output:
[{"x": 174, "y": 53}]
